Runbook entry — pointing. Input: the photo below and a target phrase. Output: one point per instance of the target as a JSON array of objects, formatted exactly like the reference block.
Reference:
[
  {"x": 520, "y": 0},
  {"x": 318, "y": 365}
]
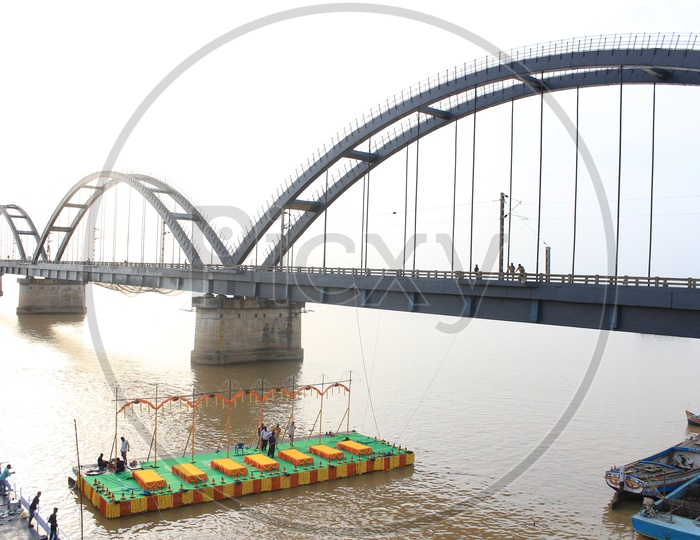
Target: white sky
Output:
[{"x": 234, "y": 126}]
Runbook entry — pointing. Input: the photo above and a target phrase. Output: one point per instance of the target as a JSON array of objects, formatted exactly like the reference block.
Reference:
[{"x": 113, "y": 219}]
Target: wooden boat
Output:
[
  {"x": 659, "y": 474},
  {"x": 675, "y": 517},
  {"x": 693, "y": 419}
]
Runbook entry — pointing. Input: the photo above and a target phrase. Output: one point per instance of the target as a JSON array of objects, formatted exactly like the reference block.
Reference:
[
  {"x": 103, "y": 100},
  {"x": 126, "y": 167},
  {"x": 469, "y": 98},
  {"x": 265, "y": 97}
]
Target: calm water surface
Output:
[{"x": 471, "y": 404}]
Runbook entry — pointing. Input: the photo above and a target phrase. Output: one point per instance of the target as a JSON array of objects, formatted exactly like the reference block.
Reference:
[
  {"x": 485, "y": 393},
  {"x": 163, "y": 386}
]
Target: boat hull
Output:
[
  {"x": 659, "y": 474},
  {"x": 659, "y": 530},
  {"x": 693, "y": 419},
  {"x": 672, "y": 518}
]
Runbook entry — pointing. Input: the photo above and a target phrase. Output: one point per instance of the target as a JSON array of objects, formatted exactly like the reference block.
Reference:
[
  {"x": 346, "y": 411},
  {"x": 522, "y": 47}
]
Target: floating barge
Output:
[{"x": 176, "y": 482}]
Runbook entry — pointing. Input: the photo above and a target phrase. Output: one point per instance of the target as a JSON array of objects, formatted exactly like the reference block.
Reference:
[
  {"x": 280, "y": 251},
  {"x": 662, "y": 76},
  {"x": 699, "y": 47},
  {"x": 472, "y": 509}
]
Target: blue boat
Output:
[
  {"x": 659, "y": 474},
  {"x": 693, "y": 419},
  {"x": 675, "y": 517}
]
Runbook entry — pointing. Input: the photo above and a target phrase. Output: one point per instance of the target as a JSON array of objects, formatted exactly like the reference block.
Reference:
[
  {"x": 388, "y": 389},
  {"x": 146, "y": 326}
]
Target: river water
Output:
[{"x": 472, "y": 404}]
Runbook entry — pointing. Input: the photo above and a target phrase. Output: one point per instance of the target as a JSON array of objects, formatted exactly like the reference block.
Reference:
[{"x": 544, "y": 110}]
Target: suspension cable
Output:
[
  {"x": 539, "y": 185},
  {"x": 114, "y": 230},
  {"x": 143, "y": 228},
  {"x": 415, "y": 203},
  {"x": 619, "y": 180},
  {"x": 325, "y": 224},
  {"x": 651, "y": 188},
  {"x": 366, "y": 224},
  {"x": 471, "y": 216},
  {"x": 128, "y": 225},
  {"x": 454, "y": 203},
  {"x": 405, "y": 214},
  {"x": 578, "y": 138},
  {"x": 510, "y": 175}
]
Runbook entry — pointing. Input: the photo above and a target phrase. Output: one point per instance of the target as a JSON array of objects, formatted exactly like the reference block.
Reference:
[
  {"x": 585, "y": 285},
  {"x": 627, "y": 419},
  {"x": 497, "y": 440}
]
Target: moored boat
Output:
[
  {"x": 675, "y": 517},
  {"x": 658, "y": 474},
  {"x": 693, "y": 419}
]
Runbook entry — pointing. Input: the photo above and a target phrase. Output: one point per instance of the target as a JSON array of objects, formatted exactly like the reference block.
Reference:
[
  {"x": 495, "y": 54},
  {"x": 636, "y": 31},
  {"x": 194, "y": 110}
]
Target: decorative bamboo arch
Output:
[{"x": 197, "y": 400}]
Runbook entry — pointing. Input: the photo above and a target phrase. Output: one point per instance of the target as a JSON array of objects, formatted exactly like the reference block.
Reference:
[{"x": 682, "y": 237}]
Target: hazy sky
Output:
[{"x": 236, "y": 124}]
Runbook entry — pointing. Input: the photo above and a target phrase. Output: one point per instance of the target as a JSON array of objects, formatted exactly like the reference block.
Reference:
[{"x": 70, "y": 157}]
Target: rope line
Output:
[
  {"x": 364, "y": 364},
  {"x": 432, "y": 379}
]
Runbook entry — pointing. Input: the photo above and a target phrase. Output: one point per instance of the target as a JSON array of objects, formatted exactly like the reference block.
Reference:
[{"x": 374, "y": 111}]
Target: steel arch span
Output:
[
  {"x": 14, "y": 215},
  {"x": 577, "y": 63},
  {"x": 96, "y": 184}
]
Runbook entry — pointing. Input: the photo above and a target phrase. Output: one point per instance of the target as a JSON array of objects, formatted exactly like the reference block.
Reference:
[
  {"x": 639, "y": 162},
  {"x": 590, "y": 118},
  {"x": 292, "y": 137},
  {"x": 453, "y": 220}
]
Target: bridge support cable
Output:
[
  {"x": 325, "y": 222},
  {"x": 114, "y": 235},
  {"x": 143, "y": 229},
  {"x": 363, "y": 232},
  {"x": 415, "y": 200},
  {"x": 576, "y": 144},
  {"x": 128, "y": 225},
  {"x": 541, "y": 88},
  {"x": 651, "y": 186},
  {"x": 454, "y": 202},
  {"x": 619, "y": 180},
  {"x": 510, "y": 178},
  {"x": 405, "y": 215},
  {"x": 366, "y": 224},
  {"x": 471, "y": 202}
]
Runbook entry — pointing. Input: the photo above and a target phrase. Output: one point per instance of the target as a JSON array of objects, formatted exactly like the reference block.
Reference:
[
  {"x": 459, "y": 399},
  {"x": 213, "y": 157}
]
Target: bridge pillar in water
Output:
[
  {"x": 55, "y": 296},
  {"x": 233, "y": 330}
]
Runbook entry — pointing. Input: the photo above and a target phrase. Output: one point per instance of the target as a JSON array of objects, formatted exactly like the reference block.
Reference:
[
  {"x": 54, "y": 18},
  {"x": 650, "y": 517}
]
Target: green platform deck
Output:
[{"x": 119, "y": 494}]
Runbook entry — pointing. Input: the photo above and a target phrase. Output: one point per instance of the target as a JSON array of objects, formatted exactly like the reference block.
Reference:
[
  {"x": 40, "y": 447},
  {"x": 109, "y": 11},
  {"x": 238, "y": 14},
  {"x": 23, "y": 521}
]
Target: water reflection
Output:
[
  {"x": 46, "y": 327},
  {"x": 210, "y": 378}
]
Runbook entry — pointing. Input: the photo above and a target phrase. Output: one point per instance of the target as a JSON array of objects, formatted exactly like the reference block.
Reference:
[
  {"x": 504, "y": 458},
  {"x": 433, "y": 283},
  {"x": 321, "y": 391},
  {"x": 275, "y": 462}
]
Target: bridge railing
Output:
[{"x": 522, "y": 278}]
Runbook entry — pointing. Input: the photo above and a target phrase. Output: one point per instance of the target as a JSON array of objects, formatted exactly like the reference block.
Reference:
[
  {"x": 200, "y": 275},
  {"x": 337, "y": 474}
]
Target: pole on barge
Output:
[{"x": 80, "y": 477}]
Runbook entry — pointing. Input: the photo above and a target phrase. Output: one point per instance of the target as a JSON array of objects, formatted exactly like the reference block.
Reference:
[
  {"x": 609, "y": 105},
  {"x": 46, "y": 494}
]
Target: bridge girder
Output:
[{"x": 504, "y": 81}]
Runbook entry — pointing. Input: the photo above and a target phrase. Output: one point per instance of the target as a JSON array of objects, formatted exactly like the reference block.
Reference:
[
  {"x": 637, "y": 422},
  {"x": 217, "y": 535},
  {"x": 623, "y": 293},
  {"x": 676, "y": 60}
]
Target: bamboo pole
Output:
[
  {"x": 347, "y": 431},
  {"x": 228, "y": 422},
  {"x": 320, "y": 420},
  {"x": 194, "y": 415},
  {"x": 155, "y": 433},
  {"x": 114, "y": 452},
  {"x": 80, "y": 477}
]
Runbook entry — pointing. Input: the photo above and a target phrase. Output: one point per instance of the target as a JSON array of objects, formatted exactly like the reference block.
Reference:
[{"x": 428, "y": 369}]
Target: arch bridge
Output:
[{"x": 604, "y": 299}]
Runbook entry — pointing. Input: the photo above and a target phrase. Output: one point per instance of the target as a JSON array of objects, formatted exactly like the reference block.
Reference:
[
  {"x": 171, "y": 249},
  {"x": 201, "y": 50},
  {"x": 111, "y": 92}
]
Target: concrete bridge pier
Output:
[
  {"x": 233, "y": 330},
  {"x": 51, "y": 296}
]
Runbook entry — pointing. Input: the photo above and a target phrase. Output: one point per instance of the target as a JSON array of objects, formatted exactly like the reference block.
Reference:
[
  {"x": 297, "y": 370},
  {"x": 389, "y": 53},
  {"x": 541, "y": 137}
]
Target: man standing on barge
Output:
[{"x": 124, "y": 449}]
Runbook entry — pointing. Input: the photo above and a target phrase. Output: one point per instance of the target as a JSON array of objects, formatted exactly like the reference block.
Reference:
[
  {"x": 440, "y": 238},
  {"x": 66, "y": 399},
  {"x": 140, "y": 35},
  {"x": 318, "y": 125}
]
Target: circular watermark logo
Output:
[{"x": 531, "y": 457}]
